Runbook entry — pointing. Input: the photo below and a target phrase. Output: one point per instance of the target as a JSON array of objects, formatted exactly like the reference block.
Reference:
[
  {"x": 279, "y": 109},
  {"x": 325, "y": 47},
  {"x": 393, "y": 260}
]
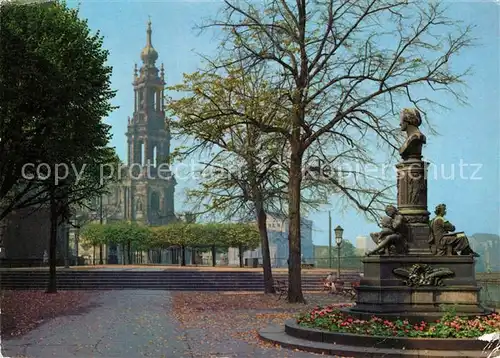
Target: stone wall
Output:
[{"x": 27, "y": 234}]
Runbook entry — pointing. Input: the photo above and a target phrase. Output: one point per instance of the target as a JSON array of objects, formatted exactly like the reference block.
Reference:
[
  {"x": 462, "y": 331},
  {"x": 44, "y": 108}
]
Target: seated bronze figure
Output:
[
  {"x": 391, "y": 239},
  {"x": 443, "y": 240}
]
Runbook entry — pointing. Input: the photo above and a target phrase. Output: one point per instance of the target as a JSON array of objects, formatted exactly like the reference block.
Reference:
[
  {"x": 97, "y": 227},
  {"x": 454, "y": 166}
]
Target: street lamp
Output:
[
  {"x": 338, "y": 240},
  {"x": 330, "y": 239},
  {"x": 101, "y": 219}
]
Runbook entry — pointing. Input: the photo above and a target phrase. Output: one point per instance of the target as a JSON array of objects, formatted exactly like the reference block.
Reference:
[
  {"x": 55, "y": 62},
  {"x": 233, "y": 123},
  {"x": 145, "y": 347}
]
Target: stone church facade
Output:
[{"x": 145, "y": 192}]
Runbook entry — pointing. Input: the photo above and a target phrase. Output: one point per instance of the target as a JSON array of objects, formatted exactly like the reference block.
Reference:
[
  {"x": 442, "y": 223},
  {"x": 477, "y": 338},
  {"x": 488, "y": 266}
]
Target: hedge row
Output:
[{"x": 143, "y": 237}]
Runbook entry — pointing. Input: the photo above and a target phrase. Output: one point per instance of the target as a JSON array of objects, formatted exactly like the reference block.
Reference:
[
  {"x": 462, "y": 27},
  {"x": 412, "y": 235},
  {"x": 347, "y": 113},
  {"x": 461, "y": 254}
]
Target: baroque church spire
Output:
[
  {"x": 148, "y": 53},
  {"x": 149, "y": 195}
]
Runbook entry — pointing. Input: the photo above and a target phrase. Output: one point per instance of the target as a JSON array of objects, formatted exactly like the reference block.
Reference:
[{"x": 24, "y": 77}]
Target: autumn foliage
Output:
[{"x": 23, "y": 311}]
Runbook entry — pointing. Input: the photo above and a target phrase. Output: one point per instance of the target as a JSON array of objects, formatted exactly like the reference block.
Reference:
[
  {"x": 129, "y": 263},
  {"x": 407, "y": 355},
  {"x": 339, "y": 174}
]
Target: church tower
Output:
[{"x": 149, "y": 195}]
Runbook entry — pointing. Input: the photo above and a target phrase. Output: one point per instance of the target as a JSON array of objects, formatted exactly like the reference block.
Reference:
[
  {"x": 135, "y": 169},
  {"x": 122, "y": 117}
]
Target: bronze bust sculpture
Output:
[
  {"x": 410, "y": 120},
  {"x": 445, "y": 242}
]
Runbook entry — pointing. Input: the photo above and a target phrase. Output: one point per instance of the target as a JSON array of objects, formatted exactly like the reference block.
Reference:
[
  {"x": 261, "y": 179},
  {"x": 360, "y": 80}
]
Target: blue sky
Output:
[{"x": 468, "y": 135}]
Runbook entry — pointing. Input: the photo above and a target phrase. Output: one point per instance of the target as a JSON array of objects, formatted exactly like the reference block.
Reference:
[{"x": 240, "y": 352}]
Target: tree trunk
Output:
[
  {"x": 266, "y": 255},
  {"x": 129, "y": 253},
  {"x": 54, "y": 215},
  {"x": 214, "y": 256},
  {"x": 183, "y": 255},
  {"x": 4, "y": 224},
  {"x": 193, "y": 256},
  {"x": 77, "y": 243},
  {"x": 294, "y": 245},
  {"x": 240, "y": 251}
]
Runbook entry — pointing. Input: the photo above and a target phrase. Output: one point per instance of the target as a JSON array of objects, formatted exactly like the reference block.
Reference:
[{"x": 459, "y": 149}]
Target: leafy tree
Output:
[
  {"x": 234, "y": 179},
  {"x": 25, "y": 103},
  {"x": 141, "y": 237},
  {"x": 56, "y": 53},
  {"x": 246, "y": 174},
  {"x": 347, "y": 251},
  {"x": 94, "y": 234},
  {"x": 130, "y": 236},
  {"x": 344, "y": 66}
]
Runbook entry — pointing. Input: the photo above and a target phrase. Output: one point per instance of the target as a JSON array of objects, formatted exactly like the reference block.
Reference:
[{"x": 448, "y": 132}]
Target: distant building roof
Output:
[
  {"x": 486, "y": 237},
  {"x": 281, "y": 216}
]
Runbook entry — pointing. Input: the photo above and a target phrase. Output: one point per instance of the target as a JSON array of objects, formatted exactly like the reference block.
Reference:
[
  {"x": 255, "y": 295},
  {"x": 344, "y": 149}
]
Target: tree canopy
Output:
[
  {"x": 244, "y": 166},
  {"x": 56, "y": 92},
  {"x": 141, "y": 237},
  {"x": 345, "y": 69}
]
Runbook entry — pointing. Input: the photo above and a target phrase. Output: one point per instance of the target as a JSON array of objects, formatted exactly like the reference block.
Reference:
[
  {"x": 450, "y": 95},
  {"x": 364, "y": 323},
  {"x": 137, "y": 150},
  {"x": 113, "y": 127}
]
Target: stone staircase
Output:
[{"x": 172, "y": 280}]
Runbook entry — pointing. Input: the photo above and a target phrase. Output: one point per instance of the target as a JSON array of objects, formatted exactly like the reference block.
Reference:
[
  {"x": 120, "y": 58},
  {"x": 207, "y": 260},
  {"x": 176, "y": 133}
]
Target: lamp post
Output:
[
  {"x": 338, "y": 240},
  {"x": 330, "y": 239},
  {"x": 101, "y": 219}
]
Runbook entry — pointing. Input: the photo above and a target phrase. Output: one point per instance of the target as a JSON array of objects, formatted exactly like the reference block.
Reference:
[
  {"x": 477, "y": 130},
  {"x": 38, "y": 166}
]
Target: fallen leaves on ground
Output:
[
  {"x": 240, "y": 316},
  {"x": 22, "y": 311}
]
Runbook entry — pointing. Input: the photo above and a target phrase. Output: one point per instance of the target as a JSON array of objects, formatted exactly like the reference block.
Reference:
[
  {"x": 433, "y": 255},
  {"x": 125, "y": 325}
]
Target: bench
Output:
[
  {"x": 349, "y": 289},
  {"x": 307, "y": 266},
  {"x": 346, "y": 288},
  {"x": 281, "y": 288}
]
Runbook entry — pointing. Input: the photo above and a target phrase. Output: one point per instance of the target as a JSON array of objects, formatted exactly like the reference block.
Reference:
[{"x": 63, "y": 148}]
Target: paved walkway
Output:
[{"x": 128, "y": 324}]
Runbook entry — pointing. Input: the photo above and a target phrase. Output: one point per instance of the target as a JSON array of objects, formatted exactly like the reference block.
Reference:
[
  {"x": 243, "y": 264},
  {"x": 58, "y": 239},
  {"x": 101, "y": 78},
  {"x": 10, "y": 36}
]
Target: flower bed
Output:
[{"x": 331, "y": 319}]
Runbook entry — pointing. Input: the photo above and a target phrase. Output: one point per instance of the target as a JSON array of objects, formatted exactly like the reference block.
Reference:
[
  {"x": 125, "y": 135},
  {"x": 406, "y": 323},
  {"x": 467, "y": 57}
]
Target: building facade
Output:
[
  {"x": 364, "y": 244},
  {"x": 488, "y": 246},
  {"x": 277, "y": 231},
  {"x": 25, "y": 236},
  {"x": 145, "y": 192}
]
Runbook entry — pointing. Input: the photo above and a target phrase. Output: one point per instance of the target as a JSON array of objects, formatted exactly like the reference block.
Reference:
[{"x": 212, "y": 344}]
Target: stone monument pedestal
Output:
[
  {"x": 385, "y": 294},
  {"x": 405, "y": 275}
]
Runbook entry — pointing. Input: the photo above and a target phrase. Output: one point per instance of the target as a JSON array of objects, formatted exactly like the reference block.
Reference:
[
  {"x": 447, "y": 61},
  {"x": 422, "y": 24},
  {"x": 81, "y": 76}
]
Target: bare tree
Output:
[
  {"x": 344, "y": 67},
  {"x": 245, "y": 173}
]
